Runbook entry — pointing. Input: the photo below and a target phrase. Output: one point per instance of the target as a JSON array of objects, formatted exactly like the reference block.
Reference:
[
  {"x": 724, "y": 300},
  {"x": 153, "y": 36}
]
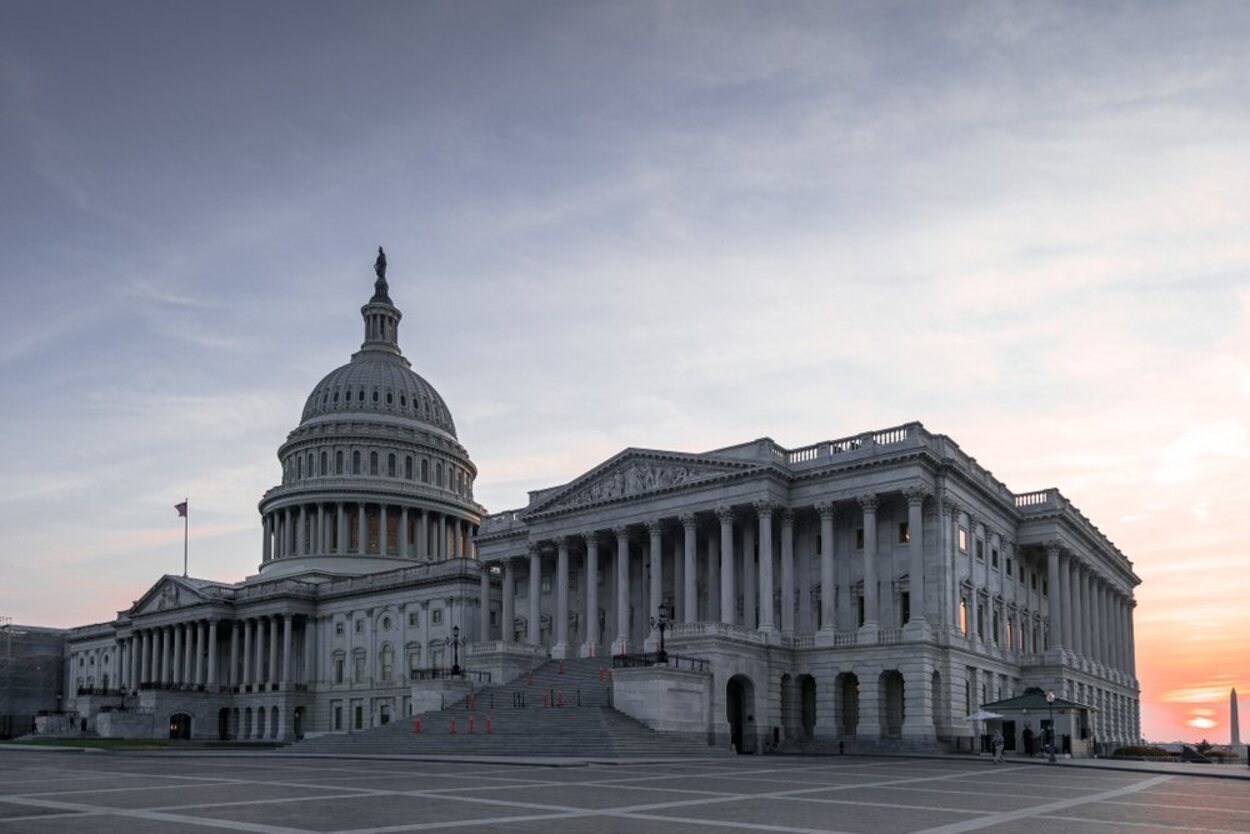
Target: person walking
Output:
[
  {"x": 1028, "y": 741},
  {"x": 999, "y": 744}
]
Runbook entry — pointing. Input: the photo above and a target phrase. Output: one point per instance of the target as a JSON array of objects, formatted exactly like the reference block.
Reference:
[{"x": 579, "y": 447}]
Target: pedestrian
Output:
[
  {"x": 998, "y": 747},
  {"x": 1028, "y": 741}
]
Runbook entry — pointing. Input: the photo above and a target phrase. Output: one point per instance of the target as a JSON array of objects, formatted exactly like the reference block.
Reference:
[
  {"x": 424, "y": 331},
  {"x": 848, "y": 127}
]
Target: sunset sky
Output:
[{"x": 632, "y": 224}]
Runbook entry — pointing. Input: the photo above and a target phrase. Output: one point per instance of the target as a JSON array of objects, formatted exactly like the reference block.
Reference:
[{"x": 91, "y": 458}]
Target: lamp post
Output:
[
  {"x": 662, "y": 623},
  {"x": 454, "y": 642},
  {"x": 1050, "y": 702}
]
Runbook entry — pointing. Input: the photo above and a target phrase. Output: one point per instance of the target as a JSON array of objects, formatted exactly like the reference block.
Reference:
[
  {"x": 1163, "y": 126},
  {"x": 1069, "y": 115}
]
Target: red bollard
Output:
[
  {"x": 470, "y": 725},
  {"x": 559, "y": 697},
  {"x": 601, "y": 672},
  {"x": 546, "y": 701},
  {"x": 529, "y": 680},
  {"x": 453, "y": 725},
  {"x": 561, "y": 667},
  {"x": 609, "y": 676},
  {"x": 416, "y": 725},
  {"x": 488, "y": 725}
]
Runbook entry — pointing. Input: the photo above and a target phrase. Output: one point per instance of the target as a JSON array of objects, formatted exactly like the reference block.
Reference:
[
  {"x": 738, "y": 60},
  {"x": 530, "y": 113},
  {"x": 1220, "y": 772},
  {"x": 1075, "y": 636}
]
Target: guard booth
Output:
[{"x": 1026, "y": 724}]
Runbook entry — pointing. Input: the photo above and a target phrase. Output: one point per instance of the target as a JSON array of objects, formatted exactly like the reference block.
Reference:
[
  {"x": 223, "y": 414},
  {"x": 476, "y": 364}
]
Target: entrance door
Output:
[
  {"x": 738, "y": 700},
  {"x": 180, "y": 726},
  {"x": 1009, "y": 736}
]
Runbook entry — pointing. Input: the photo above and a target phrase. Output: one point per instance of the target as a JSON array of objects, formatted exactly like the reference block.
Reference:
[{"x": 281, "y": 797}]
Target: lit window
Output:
[
  {"x": 904, "y": 533},
  {"x": 963, "y": 540}
]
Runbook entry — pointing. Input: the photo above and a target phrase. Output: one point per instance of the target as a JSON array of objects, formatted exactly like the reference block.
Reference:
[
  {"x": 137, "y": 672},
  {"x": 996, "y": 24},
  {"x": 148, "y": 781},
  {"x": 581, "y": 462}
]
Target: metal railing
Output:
[
  {"x": 447, "y": 674},
  {"x": 673, "y": 661}
]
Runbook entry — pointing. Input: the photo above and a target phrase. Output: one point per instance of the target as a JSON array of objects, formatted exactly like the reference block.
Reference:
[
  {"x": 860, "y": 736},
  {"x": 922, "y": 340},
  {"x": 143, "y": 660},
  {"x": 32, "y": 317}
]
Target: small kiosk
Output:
[{"x": 1028, "y": 720}]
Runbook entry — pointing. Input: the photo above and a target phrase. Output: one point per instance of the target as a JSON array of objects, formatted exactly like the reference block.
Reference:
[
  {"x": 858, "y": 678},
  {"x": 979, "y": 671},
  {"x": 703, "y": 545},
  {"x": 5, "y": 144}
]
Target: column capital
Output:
[
  {"x": 589, "y": 536},
  {"x": 655, "y": 526},
  {"x": 561, "y": 542},
  {"x": 868, "y": 501},
  {"x": 953, "y": 507},
  {"x": 687, "y": 520},
  {"x": 621, "y": 531},
  {"x": 765, "y": 508},
  {"x": 534, "y": 549},
  {"x": 787, "y": 517},
  {"x": 1053, "y": 546},
  {"x": 725, "y": 514},
  {"x": 915, "y": 493},
  {"x": 825, "y": 509}
]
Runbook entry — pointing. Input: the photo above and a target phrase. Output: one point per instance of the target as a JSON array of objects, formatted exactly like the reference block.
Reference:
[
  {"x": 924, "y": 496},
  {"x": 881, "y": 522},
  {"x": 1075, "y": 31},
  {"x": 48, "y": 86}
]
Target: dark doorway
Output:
[
  {"x": 180, "y": 726},
  {"x": 807, "y": 696},
  {"x": 848, "y": 703},
  {"x": 298, "y": 717},
  {"x": 1009, "y": 735},
  {"x": 739, "y": 696},
  {"x": 223, "y": 724}
]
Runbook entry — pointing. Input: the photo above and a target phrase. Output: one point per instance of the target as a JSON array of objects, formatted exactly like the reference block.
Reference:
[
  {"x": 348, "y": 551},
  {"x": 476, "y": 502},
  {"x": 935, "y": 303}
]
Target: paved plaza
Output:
[{"x": 105, "y": 792}]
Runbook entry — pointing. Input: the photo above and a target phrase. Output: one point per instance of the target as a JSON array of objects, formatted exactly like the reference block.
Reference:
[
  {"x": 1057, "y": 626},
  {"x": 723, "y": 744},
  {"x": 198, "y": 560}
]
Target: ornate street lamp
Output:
[
  {"x": 661, "y": 623},
  {"x": 455, "y": 643},
  {"x": 1050, "y": 702}
]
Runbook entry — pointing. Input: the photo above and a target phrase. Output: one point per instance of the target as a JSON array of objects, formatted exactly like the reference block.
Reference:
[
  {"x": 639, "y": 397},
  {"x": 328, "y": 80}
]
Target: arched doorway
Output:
[
  {"x": 787, "y": 707},
  {"x": 939, "y": 702},
  {"x": 848, "y": 703},
  {"x": 740, "y": 712},
  {"x": 298, "y": 721},
  {"x": 807, "y": 705},
  {"x": 180, "y": 725},
  {"x": 275, "y": 722},
  {"x": 223, "y": 723},
  {"x": 891, "y": 704},
  {"x": 260, "y": 723},
  {"x": 247, "y": 723}
]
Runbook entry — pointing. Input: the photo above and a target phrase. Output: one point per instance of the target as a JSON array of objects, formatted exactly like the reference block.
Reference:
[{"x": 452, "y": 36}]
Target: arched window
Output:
[
  {"x": 299, "y": 463},
  {"x": 425, "y": 470},
  {"x": 324, "y": 464},
  {"x": 336, "y": 395},
  {"x": 338, "y": 462},
  {"x": 390, "y": 465},
  {"x": 413, "y": 650},
  {"x": 356, "y": 463},
  {"x": 390, "y": 398},
  {"x": 408, "y": 467},
  {"x": 311, "y": 461},
  {"x": 403, "y": 401},
  {"x": 438, "y": 474},
  {"x": 375, "y": 395},
  {"x": 373, "y": 463}
]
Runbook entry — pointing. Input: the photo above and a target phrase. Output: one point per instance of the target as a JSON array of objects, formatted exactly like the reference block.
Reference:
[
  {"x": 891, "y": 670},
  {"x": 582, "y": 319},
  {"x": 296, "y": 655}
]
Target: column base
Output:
[
  {"x": 916, "y": 629},
  {"x": 620, "y": 646},
  {"x": 588, "y": 650},
  {"x": 651, "y": 645},
  {"x": 770, "y": 633},
  {"x": 824, "y": 638},
  {"x": 560, "y": 651},
  {"x": 868, "y": 633}
]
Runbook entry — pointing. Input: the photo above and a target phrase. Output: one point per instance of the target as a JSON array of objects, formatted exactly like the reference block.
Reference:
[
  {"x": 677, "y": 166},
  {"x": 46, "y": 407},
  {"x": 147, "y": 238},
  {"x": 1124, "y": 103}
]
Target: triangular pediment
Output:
[
  {"x": 633, "y": 473},
  {"x": 169, "y": 592}
]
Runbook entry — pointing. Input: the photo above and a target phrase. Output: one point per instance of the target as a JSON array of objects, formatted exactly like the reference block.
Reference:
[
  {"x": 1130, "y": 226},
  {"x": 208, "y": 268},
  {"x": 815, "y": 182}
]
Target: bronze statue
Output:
[{"x": 379, "y": 266}]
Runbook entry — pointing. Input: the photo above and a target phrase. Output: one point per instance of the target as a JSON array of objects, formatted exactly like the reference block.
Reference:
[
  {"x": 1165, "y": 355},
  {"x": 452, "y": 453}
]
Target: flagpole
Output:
[{"x": 186, "y": 520}]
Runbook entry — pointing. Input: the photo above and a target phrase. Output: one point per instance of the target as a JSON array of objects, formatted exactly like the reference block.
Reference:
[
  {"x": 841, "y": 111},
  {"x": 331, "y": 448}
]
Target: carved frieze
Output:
[{"x": 635, "y": 478}]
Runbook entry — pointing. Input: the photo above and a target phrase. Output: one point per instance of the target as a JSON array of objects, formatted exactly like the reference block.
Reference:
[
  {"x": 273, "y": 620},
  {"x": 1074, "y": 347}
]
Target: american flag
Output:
[{"x": 182, "y": 509}]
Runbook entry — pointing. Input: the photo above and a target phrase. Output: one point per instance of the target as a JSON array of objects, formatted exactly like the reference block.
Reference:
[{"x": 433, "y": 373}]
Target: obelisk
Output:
[{"x": 1234, "y": 727}]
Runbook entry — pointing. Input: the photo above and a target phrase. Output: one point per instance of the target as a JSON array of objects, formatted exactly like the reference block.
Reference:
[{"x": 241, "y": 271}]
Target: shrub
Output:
[{"x": 1141, "y": 751}]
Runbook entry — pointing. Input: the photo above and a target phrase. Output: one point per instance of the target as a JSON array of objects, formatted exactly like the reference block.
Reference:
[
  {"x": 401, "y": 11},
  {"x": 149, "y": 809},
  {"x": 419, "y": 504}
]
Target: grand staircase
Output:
[{"x": 562, "y": 708}]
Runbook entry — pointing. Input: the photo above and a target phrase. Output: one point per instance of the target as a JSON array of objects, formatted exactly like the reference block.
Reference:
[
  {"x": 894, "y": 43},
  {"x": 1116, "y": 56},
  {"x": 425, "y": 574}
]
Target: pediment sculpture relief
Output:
[{"x": 634, "y": 479}]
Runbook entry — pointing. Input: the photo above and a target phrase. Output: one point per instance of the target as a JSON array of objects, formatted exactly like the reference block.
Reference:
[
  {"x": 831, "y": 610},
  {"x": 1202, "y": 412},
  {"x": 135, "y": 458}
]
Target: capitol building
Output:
[{"x": 871, "y": 591}]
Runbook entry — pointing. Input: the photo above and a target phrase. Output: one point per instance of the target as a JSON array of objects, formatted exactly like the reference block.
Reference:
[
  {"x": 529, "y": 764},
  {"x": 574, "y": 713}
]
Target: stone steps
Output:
[{"x": 593, "y": 729}]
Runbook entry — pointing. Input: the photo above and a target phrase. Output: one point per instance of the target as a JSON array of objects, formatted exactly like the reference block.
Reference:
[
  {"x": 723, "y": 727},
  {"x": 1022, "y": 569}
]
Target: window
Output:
[
  {"x": 981, "y": 550},
  {"x": 436, "y": 616},
  {"x": 546, "y": 584},
  {"x": 438, "y": 474},
  {"x": 425, "y": 471},
  {"x": 311, "y": 462},
  {"x": 1033, "y": 577},
  {"x": 375, "y": 395},
  {"x": 994, "y": 557},
  {"x": 963, "y": 540},
  {"x": 338, "y": 629},
  {"x": 338, "y": 668},
  {"x": 963, "y": 616},
  {"x": 414, "y": 661},
  {"x": 390, "y": 398},
  {"x": 387, "y": 662},
  {"x": 904, "y": 604},
  {"x": 1011, "y": 637},
  {"x": 1010, "y": 570},
  {"x": 324, "y": 470},
  {"x": 413, "y": 618},
  {"x": 356, "y": 463},
  {"x": 390, "y": 465},
  {"x": 981, "y": 620},
  {"x": 436, "y": 656},
  {"x": 997, "y": 626},
  {"x": 403, "y": 401},
  {"x": 360, "y": 626},
  {"x": 859, "y": 601},
  {"x": 859, "y": 538},
  {"x": 358, "y": 662},
  {"x": 358, "y": 718},
  {"x": 408, "y": 467},
  {"x": 338, "y": 716},
  {"x": 373, "y": 463},
  {"x": 338, "y": 463},
  {"x": 904, "y": 533},
  {"x": 299, "y": 471},
  {"x": 386, "y": 623}
]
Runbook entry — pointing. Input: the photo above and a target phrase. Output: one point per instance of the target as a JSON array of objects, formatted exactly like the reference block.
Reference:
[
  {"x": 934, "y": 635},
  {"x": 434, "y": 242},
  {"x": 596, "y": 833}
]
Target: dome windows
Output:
[
  {"x": 338, "y": 462},
  {"x": 403, "y": 401},
  {"x": 356, "y": 463},
  {"x": 408, "y": 467},
  {"x": 390, "y": 465},
  {"x": 375, "y": 395},
  {"x": 373, "y": 463},
  {"x": 390, "y": 398}
]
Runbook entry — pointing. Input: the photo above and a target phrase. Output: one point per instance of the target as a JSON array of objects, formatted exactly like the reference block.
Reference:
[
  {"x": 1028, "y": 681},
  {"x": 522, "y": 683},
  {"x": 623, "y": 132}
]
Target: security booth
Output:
[{"x": 1029, "y": 720}]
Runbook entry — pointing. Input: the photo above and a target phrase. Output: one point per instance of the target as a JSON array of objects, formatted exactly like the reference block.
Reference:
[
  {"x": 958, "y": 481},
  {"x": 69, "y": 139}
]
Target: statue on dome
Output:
[{"x": 379, "y": 266}]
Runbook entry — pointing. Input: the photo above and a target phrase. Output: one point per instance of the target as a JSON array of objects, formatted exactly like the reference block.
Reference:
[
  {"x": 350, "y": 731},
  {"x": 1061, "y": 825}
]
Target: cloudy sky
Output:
[{"x": 632, "y": 224}]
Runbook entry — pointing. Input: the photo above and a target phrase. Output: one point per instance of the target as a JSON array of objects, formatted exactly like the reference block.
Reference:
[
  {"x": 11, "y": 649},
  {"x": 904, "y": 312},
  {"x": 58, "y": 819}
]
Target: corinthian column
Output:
[
  {"x": 869, "y": 505},
  {"x": 561, "y": 648},
  {"x": 787, "y": 572},
  {"x": 828, "y": 587},
  {"x": 621, "y": 645},
  {"x": 592, "y": 594},
  {"x": 728, "y": 595},
  {"x": 507, "y": 629},
  {"x": 1054, "y": 609},
  {"x": 534, "y": 634},
  {"x": 915, "y": 496},
  {"x": 765, "y": 511},
  {"x": 656, "y": 592},
  {"x": 690, "y": 583}
]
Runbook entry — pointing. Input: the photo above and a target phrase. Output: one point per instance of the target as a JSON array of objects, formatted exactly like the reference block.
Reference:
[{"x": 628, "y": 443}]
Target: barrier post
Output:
[
  {"x": 416, "y": 725},
  {"x": 471, "y": 725},
  {"x": 453, "y": 725},
  {"x": 488, "y": 725}
]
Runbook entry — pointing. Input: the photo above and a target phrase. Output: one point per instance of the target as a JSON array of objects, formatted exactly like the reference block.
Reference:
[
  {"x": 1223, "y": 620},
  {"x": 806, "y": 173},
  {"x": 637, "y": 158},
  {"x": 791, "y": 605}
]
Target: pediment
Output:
[
  {"x": 169, "y": 592},
  {"x": 631, "y": 474}
]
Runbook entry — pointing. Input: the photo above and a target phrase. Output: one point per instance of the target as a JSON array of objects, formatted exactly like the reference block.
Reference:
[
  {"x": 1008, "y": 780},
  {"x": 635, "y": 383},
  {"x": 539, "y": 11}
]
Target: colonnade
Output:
[
  {"x": 262, "y": 654},
  {"x": 363, "y": 528},
  {"x": 715, "y": 575},
  {"x": 1095, "y": 619}
]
